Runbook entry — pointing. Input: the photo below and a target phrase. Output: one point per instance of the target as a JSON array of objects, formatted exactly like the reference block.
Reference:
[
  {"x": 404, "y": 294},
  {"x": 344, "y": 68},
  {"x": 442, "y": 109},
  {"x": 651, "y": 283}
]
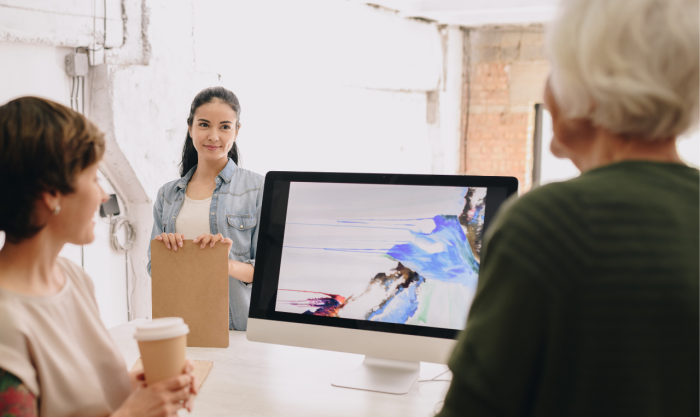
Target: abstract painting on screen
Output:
[{"x": 396, "y": 254}]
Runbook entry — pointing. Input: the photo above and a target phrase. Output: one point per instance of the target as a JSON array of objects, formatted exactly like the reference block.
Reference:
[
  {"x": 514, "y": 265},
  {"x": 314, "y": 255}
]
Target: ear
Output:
[
  {"x": 238, "y": 129},
  {"x": 573, "y": 138},
  {"x": 50, "y": 200}
]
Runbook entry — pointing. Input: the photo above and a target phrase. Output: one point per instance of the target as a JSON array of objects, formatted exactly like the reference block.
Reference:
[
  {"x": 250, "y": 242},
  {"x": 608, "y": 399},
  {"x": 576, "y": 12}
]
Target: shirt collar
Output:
[{"x": 226, "y": 174}]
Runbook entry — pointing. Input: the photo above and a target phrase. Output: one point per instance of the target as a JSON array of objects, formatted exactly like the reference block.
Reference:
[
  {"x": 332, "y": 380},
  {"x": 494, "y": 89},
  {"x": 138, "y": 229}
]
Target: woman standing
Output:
[
  {"x": 214, "y": 201},
  {"x": 56, "y": 356}
]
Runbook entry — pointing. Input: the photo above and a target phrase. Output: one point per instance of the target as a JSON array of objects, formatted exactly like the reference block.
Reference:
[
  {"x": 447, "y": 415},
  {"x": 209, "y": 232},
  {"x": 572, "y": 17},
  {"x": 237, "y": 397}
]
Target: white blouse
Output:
[{"x": 193, "y": 219}]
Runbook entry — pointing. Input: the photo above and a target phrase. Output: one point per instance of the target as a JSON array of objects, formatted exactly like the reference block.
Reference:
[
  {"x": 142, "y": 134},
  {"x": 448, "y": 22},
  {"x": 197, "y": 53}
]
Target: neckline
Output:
[
  {"x": 190, "y": 200},
  {"x": 671, "y": 165},
  {"x": 44, "y": 298}
]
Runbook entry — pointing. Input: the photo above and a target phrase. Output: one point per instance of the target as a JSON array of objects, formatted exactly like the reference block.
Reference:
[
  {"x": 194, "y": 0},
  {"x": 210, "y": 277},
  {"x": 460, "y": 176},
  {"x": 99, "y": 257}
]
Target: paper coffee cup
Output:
[{"x": 162, "y": 345}]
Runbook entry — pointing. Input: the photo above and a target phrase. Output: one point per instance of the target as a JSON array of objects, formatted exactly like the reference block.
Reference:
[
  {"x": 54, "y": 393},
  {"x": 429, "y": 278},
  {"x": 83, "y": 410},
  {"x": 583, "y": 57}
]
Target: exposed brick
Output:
[{"x": 497, "y": 123}]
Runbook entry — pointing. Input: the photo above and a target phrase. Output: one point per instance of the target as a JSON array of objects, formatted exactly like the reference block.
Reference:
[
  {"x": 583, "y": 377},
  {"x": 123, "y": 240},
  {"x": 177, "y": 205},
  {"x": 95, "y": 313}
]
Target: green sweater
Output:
[{"x": 587, "y": 303}]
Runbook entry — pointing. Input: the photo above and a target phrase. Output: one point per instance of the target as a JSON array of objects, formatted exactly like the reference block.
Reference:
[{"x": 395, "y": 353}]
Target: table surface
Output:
[{"x": 260, "y": 379}]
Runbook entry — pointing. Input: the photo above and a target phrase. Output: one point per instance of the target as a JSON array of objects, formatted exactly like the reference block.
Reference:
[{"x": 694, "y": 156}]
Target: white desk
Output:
[{"x": 258, "y": 379}]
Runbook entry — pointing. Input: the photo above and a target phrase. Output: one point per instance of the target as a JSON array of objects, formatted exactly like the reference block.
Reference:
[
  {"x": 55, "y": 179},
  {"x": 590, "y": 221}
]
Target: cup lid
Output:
[{"x": 160, "y": 329}]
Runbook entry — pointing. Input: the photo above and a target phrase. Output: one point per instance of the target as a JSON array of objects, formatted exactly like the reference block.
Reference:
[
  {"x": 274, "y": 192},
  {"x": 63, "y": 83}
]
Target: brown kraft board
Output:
[{"x": 192, "y": 283}]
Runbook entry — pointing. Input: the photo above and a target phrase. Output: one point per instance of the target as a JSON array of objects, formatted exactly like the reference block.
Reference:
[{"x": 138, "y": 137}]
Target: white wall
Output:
[
  {"x": 689, "y": 148},
  {"x": 553, "y": 169},
  {"x": 325, "y": 85},
  {"x": 61, "y": 23},
  {"x": 330, "y": 86}
]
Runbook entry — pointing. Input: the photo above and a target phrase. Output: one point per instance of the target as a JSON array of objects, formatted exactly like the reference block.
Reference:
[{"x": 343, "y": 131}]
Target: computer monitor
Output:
[{"x": 383, "y": 265}]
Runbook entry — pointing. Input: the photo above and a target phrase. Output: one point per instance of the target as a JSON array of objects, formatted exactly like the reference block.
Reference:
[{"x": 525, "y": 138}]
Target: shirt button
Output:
[
  {"x": 212, "y": 213},
  {"x": 241, "y": 226},
  {"x": 173, "y": 217},
  {"x": 215, "y": 194}
]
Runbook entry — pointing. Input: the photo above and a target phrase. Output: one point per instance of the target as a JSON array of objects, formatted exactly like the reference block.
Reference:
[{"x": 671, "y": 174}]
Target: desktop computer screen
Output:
[
  {"x": 376, "y": 253},
  {"x": 393, "y": 254}
]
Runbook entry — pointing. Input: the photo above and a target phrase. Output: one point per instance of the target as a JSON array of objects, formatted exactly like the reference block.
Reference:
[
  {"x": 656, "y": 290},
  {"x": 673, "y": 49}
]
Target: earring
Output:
[{"x": 57, "y": 210}]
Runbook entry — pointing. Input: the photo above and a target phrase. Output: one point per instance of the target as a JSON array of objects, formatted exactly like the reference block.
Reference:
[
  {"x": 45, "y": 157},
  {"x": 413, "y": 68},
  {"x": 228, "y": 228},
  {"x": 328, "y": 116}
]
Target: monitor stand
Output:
[{"x": 381, "y": 375}]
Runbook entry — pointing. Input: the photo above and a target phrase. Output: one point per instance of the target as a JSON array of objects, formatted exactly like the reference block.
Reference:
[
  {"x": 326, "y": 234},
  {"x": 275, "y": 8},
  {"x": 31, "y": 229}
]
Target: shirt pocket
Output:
[{"x": 241, "y": 230}]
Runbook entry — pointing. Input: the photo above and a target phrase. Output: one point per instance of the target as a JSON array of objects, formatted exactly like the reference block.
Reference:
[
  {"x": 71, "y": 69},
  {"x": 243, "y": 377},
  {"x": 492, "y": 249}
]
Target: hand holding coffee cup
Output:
[
  {"x": 167, "y": 382},
  {"x": 162, "y": 399},
  {"x": 161, "y": 391}
]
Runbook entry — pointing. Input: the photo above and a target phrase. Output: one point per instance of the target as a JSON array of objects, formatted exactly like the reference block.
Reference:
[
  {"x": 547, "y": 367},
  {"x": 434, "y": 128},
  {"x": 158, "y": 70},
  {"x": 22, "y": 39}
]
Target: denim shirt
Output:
[{"x": 234, "y": 212}]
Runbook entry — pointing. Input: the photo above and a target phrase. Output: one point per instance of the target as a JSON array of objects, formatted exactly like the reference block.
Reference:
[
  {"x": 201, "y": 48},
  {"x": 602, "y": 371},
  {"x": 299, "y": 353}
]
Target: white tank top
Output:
[{"x": 193, "y": 219}]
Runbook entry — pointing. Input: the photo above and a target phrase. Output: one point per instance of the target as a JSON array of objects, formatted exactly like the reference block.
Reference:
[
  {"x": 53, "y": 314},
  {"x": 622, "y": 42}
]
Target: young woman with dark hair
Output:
[
  {"x": 56, "y": 356},
  {"x": 214, "y": 201}
]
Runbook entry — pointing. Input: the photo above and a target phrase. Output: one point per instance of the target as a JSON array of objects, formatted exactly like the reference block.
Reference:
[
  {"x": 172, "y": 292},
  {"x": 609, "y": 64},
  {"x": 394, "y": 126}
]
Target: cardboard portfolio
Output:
[{"x": 192, "y": 283}]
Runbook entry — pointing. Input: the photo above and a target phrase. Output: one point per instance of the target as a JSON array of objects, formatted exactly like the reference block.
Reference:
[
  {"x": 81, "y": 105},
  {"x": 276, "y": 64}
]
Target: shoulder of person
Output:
[
  {"x": 254, "y": 177},
  {"x": 9, "y": 320},
  {"x": 548, "y": 203},
  {"x": 168, "y": 187},
  {"x": 550, "y": 218},
  {"x": 77, "y": 275},
  {"x": 244, "y": 182},
  {"x": 540, "y": 232}
]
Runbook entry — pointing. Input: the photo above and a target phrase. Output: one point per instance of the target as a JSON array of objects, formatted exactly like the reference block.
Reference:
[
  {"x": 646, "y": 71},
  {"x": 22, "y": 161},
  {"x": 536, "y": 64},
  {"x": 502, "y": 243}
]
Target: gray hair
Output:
[{"x": 630, "y": 66}]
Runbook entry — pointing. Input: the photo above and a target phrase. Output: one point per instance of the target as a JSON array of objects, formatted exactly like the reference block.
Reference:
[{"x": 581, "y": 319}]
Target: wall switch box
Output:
[
  {"x": 77, "y": 65},
  {"x": 110, "y": 207}
]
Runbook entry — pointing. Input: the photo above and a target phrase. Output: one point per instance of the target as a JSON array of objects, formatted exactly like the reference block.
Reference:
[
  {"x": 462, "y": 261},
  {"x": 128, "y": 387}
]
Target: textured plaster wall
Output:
[
  {"x": 68, "y": 23},
  {"x": 324, "y": 86}
]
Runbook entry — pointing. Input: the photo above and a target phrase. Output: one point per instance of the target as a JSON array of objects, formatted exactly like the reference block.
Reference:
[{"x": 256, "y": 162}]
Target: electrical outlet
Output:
[{"x": 77, "y": 65}]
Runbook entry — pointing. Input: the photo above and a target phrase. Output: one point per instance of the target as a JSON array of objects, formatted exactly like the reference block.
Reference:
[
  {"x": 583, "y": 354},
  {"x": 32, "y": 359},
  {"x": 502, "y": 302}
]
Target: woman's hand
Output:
[
  {"x": 211, "y": 240},
  {"x": 171, "y": 240},
  {"x": 164, "y": 398},
  {"x": 137, "y": 378},
  {"x": 189, "y": 370},
  {"x": 239, "y": 270}
]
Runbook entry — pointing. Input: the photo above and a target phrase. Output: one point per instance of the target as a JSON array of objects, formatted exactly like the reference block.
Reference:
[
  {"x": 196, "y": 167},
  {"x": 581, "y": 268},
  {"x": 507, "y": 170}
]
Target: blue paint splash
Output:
[
  {"x": 402, "y": 305},
  {"x": 443, "y": 254}
]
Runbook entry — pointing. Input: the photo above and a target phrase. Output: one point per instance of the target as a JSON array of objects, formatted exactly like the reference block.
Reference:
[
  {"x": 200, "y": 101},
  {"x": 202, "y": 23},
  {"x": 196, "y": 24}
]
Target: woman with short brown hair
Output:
[{"x": 56, "y": 357}]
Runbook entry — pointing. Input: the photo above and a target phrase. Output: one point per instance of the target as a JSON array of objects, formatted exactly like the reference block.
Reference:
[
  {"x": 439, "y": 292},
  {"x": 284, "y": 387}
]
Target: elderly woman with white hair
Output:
[{"x": 588, "y": 301}]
